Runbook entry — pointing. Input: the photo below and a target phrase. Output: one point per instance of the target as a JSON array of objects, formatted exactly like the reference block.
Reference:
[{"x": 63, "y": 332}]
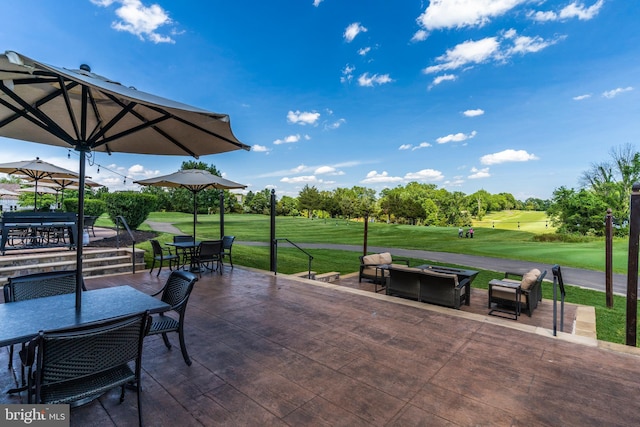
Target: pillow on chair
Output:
[
  {"x": 385, "y": 258},
  {"x": 529, "y": 278}
]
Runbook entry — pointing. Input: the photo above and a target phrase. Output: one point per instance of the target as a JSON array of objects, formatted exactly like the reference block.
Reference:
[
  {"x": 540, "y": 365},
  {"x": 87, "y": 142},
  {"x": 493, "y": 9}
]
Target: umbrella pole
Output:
[
  {"x": 195, "y": 215},
  {"x": 221, "y": 213},
  {"x": 35, "y": 198},
  {"x": 79, "y": 234}
]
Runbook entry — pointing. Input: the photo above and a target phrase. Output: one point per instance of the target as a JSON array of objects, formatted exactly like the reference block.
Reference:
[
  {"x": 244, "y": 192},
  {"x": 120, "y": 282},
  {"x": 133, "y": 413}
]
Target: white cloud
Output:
[
  {"x": 573, "y": 10},
  {"x": 291, "y": 139},
  {"x": 316, "y": 3},
  {"x": 507, "y": 156},
  {"x": 615, "y": 92},
  {"x": 473, "y": 113},
  {"x": 463, "y": 13},
  {"x": 456, "y": 137},
  {"x": 469, "y": 52},
  {"x": 303, "y": 118},
  {"x": 442, "y": 78},
  {"x": 324, "y": 170},
  {"x": 421, "y": 145},
  {"x": 138, "y": 170},
  {"x": 420, "y": 35},
  {"x": 374, "y": 177},
  {"x": 364, "y": 51},
  {"x": 259, "y": 148},
  {"x": 300, "y": 179},
  {"x": 479, "y": 173},
  {"x": 424, "y": 175},
  {"x": 581, "y": 97},
  {"x": 370, "y": 81},
  {"x": 489, "y": 49},
  {"x": 352, "y": 31},
  {"x": 347, "y": 74},
  {"x": 405, "y": 147},
  {"x": 140, "y": 20},
  {"x": 335, "y": 125}
]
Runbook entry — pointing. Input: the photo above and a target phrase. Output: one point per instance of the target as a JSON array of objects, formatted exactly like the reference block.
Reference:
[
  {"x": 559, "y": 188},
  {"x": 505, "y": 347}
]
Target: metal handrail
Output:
[
  {"x": 275, "y": 241},
  {"x": 120, "y": 219}
]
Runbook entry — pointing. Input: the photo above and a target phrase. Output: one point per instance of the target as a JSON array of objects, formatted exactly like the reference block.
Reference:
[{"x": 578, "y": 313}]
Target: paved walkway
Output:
[{"x": 575, "y": 276}]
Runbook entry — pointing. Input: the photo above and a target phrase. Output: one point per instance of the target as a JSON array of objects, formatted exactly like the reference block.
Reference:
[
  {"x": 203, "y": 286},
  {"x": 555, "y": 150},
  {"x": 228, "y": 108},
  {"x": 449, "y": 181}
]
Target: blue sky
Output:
[{"x": 517, "y": 96}]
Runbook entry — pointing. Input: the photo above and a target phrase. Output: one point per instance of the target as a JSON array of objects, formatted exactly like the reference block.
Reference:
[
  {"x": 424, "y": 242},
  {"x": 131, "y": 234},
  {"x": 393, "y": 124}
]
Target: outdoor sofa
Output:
[{"x": 428, "y": 286}]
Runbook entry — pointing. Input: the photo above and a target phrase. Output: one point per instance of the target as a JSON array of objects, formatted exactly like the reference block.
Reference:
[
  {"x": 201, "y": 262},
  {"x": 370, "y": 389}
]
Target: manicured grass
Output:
[{"x": 494, "y": 242}]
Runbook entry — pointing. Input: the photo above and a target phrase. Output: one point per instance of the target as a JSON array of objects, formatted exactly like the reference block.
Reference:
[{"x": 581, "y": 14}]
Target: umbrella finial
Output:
[{"x": 85, "y": 67}]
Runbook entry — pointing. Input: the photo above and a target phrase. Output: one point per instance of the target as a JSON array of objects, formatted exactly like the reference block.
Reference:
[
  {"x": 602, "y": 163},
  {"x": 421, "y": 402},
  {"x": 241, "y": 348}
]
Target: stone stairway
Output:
[
  {"x": 329, "y": 277},
  {"x": 96, "y": 262}
]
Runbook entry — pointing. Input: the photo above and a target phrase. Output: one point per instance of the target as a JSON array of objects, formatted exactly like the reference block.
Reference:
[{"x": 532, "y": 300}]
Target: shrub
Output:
[
  {"x": 134, "y": 207},
  {"x": 92, "y": 207}
]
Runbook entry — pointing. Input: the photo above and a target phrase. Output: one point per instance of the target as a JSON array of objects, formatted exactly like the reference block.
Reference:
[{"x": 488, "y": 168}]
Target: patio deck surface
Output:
[{"x": 275, "y": 350}]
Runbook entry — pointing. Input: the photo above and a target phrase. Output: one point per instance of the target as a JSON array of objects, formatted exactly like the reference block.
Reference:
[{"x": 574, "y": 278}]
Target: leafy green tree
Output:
[
  {"x": 581, "y": 212},
  {"x": 309, "y": 199},
  {"x": 287, "y": 206}
]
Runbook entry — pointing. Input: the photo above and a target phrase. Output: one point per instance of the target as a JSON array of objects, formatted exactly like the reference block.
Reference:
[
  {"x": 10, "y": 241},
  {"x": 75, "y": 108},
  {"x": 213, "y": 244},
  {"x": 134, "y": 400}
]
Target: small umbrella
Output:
[
  {"x": 5, "y": 192},
  {"x": 79, "y": 109},
  {"x": 194, "y": 180},
  {"x": 61, "y": 184},
  {"x": 38, "y": 190},
  {"x": 36, "y": 170}
]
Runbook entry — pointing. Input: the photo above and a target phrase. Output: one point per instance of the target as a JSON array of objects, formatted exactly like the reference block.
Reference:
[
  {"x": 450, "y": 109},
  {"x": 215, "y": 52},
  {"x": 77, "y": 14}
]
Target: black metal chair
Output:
[
  {"x": 227, "y": 243},
  {"x": 176, "y": 293},
  {"x": 162, "y": 254},
  {"x": 209, "y": 252},
  {"x": 183, "y": 253},
  {"x": 77, "y": 365},
  {"x": 38, "y": 285}
]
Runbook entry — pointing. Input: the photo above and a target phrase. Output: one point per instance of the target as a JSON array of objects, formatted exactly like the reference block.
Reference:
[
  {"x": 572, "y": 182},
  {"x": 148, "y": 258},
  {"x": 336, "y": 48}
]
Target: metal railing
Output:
[
  {"x": 275, "y": 241},
  {"x": 120, "y": 220}
]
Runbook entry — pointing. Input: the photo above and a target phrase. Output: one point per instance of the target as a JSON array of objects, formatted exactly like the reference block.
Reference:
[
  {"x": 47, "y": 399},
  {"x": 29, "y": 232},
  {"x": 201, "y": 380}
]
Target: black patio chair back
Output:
[
  {"x": 175, "y": 292},
  {"x": 210, "y": 252},
  {"x": 161, "y": 255},
  {"x": 38, "y": 285},
  {"x": 76, "y": 365},
  {"x": 227, "y": 243},
  {"x": 181, "y": 252},
  {"x": 182, "y": 238}
]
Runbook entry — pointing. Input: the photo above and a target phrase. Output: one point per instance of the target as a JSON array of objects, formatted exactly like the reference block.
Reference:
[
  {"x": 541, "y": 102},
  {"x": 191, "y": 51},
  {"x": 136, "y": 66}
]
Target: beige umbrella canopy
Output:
[
  {"x": 194, "y": 180},
  {"x": 5, "y": 192},
  {"x": 38, "y": 190},
  {"x": 36, "y": 170},
  {"x": 79, "y": 109}
]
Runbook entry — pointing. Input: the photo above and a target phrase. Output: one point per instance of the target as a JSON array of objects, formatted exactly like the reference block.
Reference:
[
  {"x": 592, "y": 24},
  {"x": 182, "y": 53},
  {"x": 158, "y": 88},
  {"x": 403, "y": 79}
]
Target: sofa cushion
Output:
[
  {"x": 371, "y": 259},
  {"x": 529, "y": 278},
  {"x": 385, "y": 258}
]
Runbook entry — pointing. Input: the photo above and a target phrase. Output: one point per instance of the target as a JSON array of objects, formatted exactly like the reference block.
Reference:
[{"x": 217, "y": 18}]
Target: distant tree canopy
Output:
[{"x": 604, "y": 185}]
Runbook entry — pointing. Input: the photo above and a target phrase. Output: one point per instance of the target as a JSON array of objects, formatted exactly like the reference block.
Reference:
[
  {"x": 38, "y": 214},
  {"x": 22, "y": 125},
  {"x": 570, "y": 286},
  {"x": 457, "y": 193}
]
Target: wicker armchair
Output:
[
  {"x": 227, "y": 243},
  {"x": 176, "y": 293},
  {"x": 513, "y": 296},
  {"x": 38, "y": 285},
  {"x": 76, "y": 365},
  {"x": 162, "y": 254},
  {"x": 209, "y": 252}
]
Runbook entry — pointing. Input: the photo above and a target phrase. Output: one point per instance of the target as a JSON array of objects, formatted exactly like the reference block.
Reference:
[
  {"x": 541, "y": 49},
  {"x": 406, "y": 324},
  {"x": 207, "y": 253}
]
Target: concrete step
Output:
[
  {"x": 329, "y": 277},
  {"x": 305, "y": 274},
  {"x": 95, "y": 262}
]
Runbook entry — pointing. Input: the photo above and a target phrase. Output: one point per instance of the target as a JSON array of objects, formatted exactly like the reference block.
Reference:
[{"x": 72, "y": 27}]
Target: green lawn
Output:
[{"x": 497, "y": 240}]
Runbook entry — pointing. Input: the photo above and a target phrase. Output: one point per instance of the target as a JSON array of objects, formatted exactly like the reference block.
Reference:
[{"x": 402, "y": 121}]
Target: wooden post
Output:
[
  {"x": 272, "y": 251},
  {"x": 609, "y": 258},
  {"x": 632, "y": 270}
]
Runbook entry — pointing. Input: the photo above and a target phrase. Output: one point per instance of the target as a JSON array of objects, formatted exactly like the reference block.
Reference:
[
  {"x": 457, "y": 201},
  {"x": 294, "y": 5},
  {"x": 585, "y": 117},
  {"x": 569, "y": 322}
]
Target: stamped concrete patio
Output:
[{"x": 275, "y": 350}]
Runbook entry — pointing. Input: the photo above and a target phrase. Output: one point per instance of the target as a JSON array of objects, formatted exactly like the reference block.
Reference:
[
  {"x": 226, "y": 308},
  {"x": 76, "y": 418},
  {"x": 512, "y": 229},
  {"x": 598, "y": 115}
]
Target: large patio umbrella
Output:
[
  {"x": 36, "y": 170},
  {"x": 5, "y": 192},
  {"x": 61, "y": 184},
  {"x": 194, "y": 180},
  {"x": 77, "y": 108}
]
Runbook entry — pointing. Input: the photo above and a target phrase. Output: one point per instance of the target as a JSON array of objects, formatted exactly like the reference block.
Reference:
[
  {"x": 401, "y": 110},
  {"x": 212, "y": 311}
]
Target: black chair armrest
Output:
[
  {"x": 401, "y": 261},
  {"x": 513, "y": 274},
  {"x": 464, "y": 282}
]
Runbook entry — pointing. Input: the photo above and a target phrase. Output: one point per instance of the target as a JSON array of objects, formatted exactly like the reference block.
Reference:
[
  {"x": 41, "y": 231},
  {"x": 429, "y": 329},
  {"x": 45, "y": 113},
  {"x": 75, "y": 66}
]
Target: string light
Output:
[{"x": 91, "y": 161}]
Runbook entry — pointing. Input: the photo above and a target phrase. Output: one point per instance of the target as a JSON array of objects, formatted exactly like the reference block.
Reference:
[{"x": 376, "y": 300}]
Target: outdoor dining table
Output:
[
  {"x": 189, "y": 246},
  {"x": 23, "y": 320}
]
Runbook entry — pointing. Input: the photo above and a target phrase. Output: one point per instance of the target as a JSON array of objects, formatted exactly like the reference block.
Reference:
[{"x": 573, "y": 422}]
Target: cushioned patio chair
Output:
[
  {"x": 227, "y": 243},
  {"x": 161, "y": 255},
  {"x": 77, "y": 365},
  {"x": 176, "y": 293},
  {"x": 513, "y": 296},
  {"x": 373, "y": 268}
]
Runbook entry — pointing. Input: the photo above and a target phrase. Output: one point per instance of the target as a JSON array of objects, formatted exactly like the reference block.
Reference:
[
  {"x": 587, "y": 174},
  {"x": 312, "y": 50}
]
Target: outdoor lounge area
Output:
[{"x": 276, "y": 350}]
